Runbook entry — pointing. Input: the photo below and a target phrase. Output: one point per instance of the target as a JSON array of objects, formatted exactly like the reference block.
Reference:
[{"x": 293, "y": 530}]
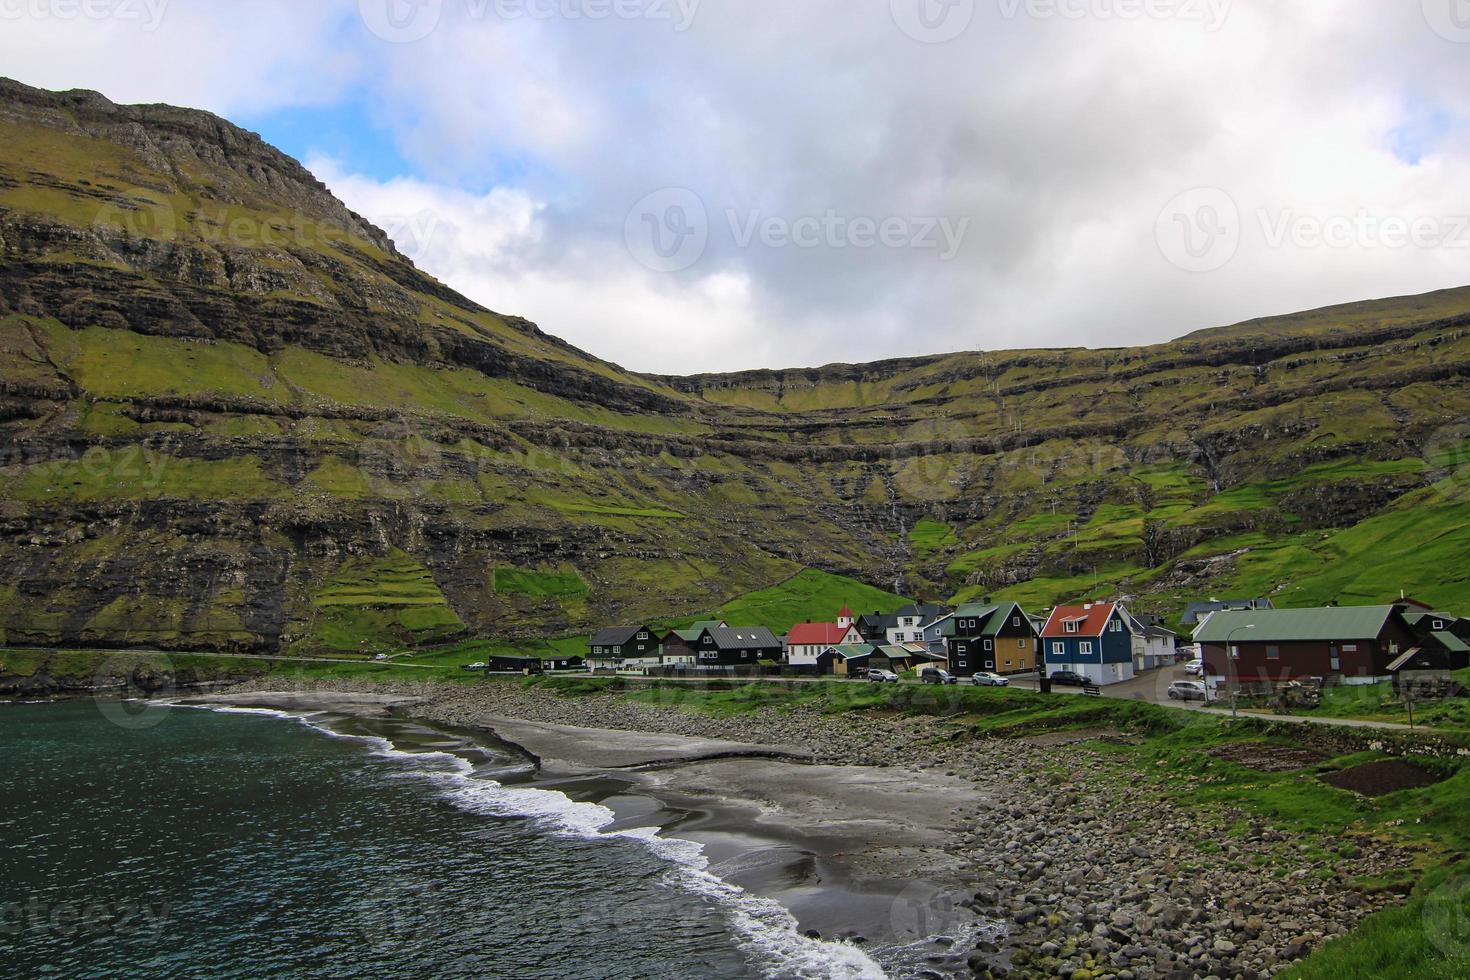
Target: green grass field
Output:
[{"x": 809, "y": 596}]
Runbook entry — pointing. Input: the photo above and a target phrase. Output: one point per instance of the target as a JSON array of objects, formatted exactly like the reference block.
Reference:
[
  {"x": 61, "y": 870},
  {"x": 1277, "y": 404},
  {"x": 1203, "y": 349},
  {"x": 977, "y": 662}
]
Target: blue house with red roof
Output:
[{"x": 1094, "y": 639}]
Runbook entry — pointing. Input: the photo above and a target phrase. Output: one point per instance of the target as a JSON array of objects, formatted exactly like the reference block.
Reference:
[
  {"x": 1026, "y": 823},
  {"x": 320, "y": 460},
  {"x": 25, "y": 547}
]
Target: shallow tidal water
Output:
[{"x": 176, "y": 841}]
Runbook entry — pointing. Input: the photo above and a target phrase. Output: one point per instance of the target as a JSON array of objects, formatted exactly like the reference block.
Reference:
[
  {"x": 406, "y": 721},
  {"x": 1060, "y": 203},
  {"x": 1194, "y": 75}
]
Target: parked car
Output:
[
  {"x": 476, "y": 666},
  {"x": 882, "y": 677},
  {"x": 1069, "y": 678},
  {"x": 1195, "y": 668},
  {"x": 987, "y": 679},
  {"x": 1188, "y": 691},
  {"x": 380, "y": 658},
  {"x": 933, "y": 675}
]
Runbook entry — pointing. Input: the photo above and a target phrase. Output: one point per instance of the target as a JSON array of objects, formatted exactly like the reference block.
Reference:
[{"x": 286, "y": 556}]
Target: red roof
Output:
[
  {"x": 844, "y": 612},
  {"x": 1091, "y": 619},
  {"x": 811, "y": 634}
]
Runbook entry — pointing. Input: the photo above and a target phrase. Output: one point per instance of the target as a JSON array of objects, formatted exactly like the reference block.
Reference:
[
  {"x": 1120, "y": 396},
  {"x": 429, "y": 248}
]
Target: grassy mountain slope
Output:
[{"x": 233, "y": 416}]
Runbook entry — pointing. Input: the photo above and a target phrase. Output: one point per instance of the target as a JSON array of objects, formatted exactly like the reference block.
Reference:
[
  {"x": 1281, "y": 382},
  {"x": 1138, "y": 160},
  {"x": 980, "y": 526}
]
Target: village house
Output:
[
  {"x": 874, "y": 626},
  {"x": 1154, "y": 645},
  {"x": 1339, "y": 644},
  {"x": 736, "y": 646},
  {"x": 806, "y": 643},
  {"x": 847, "y": 660},
  {"x": 909, "y": 622},
  {"x": 623, "y": 648},
  {"x": 1424, "y": 619},
  {"x": 1092, "y": 639},
  {"x": 990, "y": 637},
  {"x": 681, "y": 647}
]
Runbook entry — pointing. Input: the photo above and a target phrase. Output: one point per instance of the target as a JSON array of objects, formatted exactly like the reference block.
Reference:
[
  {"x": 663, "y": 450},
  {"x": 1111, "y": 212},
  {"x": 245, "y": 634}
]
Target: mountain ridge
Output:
[{"x": 233, "y": 417}]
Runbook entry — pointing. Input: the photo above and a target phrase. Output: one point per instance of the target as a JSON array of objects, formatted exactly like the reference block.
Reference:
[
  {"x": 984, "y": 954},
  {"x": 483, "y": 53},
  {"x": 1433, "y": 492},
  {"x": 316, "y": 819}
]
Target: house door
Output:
[{"x": 1336, "y": 658}]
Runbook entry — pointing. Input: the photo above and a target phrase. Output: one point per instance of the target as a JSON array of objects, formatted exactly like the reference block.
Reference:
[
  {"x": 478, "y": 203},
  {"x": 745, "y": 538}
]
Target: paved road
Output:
[{"x": 1153, "y": 686}]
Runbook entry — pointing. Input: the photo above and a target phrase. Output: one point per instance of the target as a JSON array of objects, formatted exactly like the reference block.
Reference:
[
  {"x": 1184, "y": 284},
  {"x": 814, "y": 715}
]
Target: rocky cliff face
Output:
[{"x": 232, "y": 415}]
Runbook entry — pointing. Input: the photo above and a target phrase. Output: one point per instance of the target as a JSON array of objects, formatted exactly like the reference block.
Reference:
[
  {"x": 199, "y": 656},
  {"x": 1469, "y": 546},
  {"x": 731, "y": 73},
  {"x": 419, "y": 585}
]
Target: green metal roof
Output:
[
  {"x": 1451, "y": 641},
  {"x": 1000, "y": 618},
  {"x": 972, "y": 610},
  {"x": 1295, "y": 625},
  {"x": 851, "y": 652}
]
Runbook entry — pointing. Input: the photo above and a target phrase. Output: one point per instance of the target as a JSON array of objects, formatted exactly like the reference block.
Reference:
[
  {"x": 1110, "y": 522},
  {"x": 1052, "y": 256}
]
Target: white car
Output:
[
  {"x": 1195, "y": 668},
  {"x": 986, "y": 679},
  {"x": 882, "y": 677},
  {"x": 476, "y": 666}
]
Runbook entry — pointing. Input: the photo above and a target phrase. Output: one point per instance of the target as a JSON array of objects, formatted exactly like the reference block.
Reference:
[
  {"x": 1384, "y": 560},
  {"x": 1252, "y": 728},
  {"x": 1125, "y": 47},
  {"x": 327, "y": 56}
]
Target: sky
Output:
[{"x": 686, "y": 186}]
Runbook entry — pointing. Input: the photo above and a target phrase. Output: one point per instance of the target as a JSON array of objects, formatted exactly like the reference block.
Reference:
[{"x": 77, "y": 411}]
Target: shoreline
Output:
[
  {"x": 1091, "y": 874},
  {"x": 770, "y": 822}
]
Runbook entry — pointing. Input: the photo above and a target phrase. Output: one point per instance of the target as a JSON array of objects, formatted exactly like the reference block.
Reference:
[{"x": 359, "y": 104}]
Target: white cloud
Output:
[{"x": 1059, "y": 140}]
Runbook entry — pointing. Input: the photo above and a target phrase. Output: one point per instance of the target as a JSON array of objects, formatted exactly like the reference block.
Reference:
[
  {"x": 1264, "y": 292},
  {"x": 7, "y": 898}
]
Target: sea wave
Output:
[{"x": 768, "y": 932}]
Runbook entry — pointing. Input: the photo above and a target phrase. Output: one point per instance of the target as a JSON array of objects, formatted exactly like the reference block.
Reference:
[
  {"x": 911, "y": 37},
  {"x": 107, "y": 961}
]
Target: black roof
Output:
[
  {"x": 743, "y": 638},
  {"x": 926, "y": 611},
  {"x": 616, "y": 636}
]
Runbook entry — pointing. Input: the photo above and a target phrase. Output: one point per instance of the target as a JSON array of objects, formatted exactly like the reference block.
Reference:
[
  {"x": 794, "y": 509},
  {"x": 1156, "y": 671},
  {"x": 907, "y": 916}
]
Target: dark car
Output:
[
  {"x": 1069, "y": 678},
  {"x": 933, "y": 675}
]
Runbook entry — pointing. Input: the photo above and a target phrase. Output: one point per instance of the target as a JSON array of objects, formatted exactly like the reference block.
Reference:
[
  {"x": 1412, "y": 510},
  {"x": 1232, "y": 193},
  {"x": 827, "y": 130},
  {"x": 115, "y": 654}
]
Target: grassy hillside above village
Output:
[{"x": 233, "y": 417}]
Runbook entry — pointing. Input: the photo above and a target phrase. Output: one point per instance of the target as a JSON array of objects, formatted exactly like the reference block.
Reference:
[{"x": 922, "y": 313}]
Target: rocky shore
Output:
[{"x": 1096, "y": 876}]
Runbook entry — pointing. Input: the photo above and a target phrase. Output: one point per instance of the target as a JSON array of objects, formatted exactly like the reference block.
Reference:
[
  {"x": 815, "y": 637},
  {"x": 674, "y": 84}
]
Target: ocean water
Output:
[{"x": 194, "y": 843}]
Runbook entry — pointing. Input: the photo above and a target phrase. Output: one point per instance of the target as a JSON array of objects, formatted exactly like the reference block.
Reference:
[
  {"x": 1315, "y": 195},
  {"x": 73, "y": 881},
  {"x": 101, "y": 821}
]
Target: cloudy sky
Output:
[{"x": 703, "y": 185}]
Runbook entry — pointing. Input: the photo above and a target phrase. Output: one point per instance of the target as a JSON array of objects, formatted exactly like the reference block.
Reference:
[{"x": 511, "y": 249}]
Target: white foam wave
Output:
[{"x": 767, "y": 930}]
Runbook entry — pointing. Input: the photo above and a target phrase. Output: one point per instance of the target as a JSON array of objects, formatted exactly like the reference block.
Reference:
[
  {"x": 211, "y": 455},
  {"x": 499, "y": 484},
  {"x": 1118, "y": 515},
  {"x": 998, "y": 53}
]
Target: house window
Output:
[
  {"x": 708, "y": 655},
  {"x": 990, "y": 665},
  {"x": 1273, "y": 653},
  {"x": 1085, "y": 647},
  {"x": 1008, "y": 663},
  {"x": 1021, "y": 644},
  {"x": 1015, "y": 620},
  {"x": 1235, "y": 653},
  {"x": 1059, "y": 648},
  {"x": 1117, "y": 626},
  {"x": 1393, "y": 648},
  {"x": 1439, "y": 624},
  {"x": 1070, "y": 626},
  {"x": 1349, "y": 648},
  {"x": 642, "y": 635},
  {"x": 989, "y": 644}
]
